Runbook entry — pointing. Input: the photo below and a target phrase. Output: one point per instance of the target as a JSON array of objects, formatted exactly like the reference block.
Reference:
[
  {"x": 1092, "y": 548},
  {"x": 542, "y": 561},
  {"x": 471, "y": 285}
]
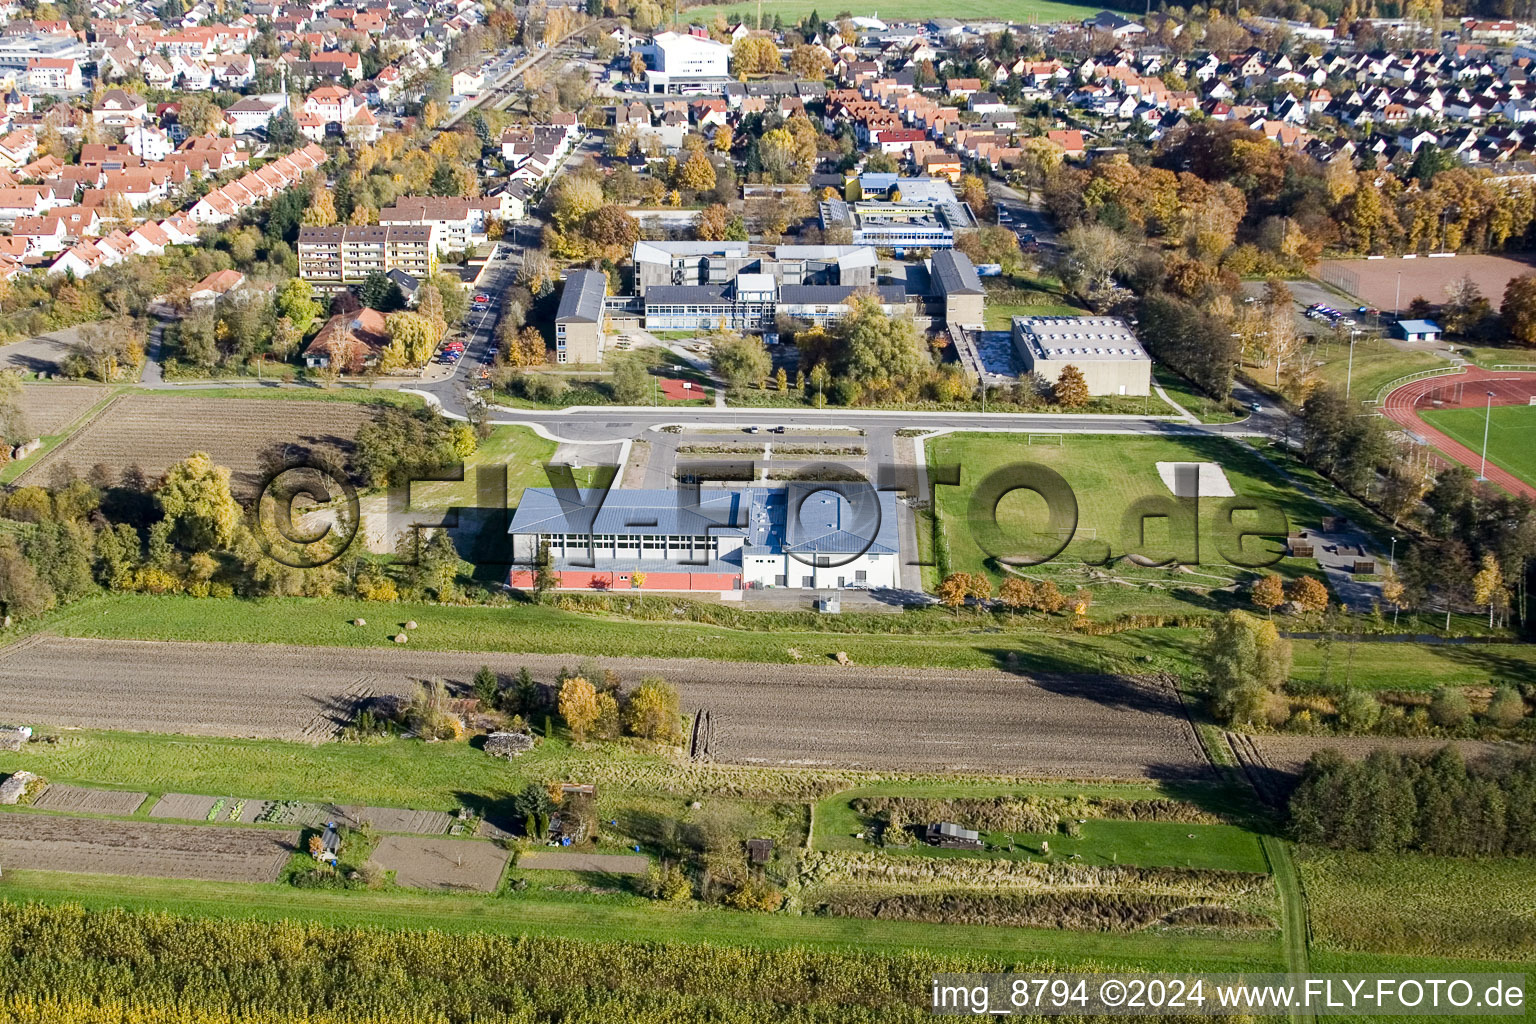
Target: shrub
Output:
[
  {"x": 1358, "y": 711},
  {"x": 1506, "y": 709},
  {"x": 1449, "y": 708}
]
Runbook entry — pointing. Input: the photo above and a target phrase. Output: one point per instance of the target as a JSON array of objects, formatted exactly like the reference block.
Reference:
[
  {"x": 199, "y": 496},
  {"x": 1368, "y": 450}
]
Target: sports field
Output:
[
  {"x": 1394, "y": 283},
  {"x": 1511, "y": 435},
  {"x": 792, "y": 11},
  {"x": 1113, "y": 481}
]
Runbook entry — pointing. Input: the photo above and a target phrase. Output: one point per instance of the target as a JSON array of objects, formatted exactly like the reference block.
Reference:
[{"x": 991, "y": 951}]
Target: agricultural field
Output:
[
  {"x": 1054, "y": 726},
  {"x": 183, "y": 688},
  {"x": 153, "y": 432},
  {"x": 450, "y": 865},
  {"x": 49, "y": 842},
  {"x": 49, "y": 408},
  {"x": 1288, "y": 753},
  {"x": 1039, "y": 11},
  {"x": 1109, "y": 478},
  {"x": 1418, "y": 905},
  {"x": 82, "y": 800},
  {"x": 1511, "y": 434}
]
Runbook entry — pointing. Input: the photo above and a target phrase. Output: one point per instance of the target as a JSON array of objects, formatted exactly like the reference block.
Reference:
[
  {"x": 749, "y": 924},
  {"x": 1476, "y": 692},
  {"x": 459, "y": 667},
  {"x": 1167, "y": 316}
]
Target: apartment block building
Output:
[{"x": 337, "y": 257}]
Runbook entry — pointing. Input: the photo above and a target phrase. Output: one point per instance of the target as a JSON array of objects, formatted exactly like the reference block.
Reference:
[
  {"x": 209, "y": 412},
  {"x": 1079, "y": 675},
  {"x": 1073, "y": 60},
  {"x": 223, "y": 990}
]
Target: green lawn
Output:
[
  {"x": 1149, "y": 844},
  {"x": 309, "y": 393},
  {"x": 1511, "y": 435},
  {"x": 792, "y": 11},
  {"x": 1205, "y": 408},
  {"x": 390, "y": 773},
  {"x": 973, "y": 641},
  {"x": 541, "y": 913},
  {"x": 1111, "y": 477},
  {"x": 1000, "y": 316},
  {"x": 1033, "y": 643},
  {"x": 1377, "y": 362},
  {"x": 519, "y": 449},
  {"x": 1393, "y": 666}
]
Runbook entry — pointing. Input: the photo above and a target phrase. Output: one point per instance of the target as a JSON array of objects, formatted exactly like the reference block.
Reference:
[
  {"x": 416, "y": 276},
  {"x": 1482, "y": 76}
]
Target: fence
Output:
[
  {"x": 1392, "y": 385},
  {"x": 1346, "y": 281}
]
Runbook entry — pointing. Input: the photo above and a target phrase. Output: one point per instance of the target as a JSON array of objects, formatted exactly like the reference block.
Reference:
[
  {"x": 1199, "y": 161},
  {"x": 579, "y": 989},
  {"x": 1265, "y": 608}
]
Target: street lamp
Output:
[
  {"x": 1350, "y": 373},
  {"x": 1393, "y": 556},
  {"x": 1482, "y": 472},
  {"x": 1397, "y": 303}
]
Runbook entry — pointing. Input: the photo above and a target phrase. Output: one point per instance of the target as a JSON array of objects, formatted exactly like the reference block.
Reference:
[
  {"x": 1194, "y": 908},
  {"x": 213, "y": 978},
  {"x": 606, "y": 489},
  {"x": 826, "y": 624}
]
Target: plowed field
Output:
[
  {"x": 97, "y": 846},
  {"x": 933, "y": 720},
  {"x": 245, "y": 434}
]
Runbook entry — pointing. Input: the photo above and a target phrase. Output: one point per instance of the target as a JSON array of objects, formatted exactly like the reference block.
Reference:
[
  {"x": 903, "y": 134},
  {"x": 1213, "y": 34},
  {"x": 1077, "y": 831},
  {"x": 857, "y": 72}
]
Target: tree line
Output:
[
  {"x": 1429, "y": 803},
  {"x": 186, "y": 532}
]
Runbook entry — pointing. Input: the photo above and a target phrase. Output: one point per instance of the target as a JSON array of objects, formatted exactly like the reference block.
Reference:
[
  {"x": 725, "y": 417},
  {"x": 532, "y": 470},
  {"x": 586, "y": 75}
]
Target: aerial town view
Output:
[{"x": 608, "y": 511}]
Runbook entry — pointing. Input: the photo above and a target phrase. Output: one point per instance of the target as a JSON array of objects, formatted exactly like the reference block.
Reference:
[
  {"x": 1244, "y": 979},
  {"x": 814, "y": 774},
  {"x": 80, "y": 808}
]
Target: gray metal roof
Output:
[
  {"x": 697, "y": 294},
  {"x": 581, "y": 301},
  {"x": 954, "y": 273},
  {"x": 805, "y": 519},
  {"x": 631, "y": 511},
  {"x": 833, "y": 294}
]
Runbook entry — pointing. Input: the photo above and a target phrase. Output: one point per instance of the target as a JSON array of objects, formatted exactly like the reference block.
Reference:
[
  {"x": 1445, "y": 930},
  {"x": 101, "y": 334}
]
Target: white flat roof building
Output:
[
  {"x": 1104, "y": 348},
  {"x": 680, "y": 60}
]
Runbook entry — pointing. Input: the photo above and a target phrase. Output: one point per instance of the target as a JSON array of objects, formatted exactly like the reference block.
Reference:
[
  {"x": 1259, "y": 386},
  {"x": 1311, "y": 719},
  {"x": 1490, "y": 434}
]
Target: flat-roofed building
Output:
[
  {"x": 803, "y": 536},
  {"x": 892, "y": 212},
  {"x": 1104, "y": 348},
  {"x": 333, "y": 258},
  {"x": 579, "y": 319}
]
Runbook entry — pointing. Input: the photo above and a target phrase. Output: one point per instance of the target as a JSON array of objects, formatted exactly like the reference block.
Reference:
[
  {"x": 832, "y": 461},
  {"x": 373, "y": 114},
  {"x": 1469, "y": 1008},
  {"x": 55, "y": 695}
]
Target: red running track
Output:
[{"x": 1462, "y": 391}]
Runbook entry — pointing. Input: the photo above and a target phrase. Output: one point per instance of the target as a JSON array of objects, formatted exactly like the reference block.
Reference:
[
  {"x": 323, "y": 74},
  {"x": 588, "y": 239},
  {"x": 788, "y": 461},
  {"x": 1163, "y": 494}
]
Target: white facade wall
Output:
[{"x": 879, "y": 570}]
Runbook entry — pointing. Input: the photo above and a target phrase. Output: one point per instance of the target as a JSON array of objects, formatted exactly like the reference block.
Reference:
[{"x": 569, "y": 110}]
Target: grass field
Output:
[
  {"x": 792, "y": 11},
  {"x": 312, "y": 393},
  {"x": 1511, "y": 435},
  {"x": 1418, "y": 905},
  {"x": 572, "y": 916},
  {"x": 975, "y": 641},
  {"x": 1109, "y": 476},
  {"x": 1000, "y": 317},
  {"x": 519, "y": 449},
  {"x": 1377, "y": 362},
  {"x": 1103, "y": 841},
  {"x": 1205, "y": 408}
]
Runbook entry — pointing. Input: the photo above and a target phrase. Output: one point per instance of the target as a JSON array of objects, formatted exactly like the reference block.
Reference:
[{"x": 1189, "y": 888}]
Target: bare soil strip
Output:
[
  {"x": 50, "y": 408},
  {"x": 812, "y": 715},
  {"x": 155, "y": 431},
  {"x": 448, "y": 864},
  {"x": 89, "y": 801},
  {"x": 47, "y": 842},
  {"x": 607, "y": 863}
]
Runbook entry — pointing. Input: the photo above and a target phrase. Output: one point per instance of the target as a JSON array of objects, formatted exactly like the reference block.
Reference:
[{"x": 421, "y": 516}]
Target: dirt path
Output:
[
  {"x": 1293, "y": 913},
  {"x": 913, "y": 719}
]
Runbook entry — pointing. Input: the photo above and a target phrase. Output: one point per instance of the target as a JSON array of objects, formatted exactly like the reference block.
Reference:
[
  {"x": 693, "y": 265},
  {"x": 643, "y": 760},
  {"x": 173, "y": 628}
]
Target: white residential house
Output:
[
  {"x": 148, "y": 142},
  {"x": 254, "y": 112},
  {"x": 54, "y": 74},
  {"x": 467, "y": 82}
]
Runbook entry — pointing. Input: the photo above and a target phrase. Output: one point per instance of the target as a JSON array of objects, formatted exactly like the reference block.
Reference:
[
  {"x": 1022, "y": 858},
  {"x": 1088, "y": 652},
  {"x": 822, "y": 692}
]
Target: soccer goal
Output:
[
  {"x": 1531, "y": 400},
  {"x": 1049, "y": 439}
]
